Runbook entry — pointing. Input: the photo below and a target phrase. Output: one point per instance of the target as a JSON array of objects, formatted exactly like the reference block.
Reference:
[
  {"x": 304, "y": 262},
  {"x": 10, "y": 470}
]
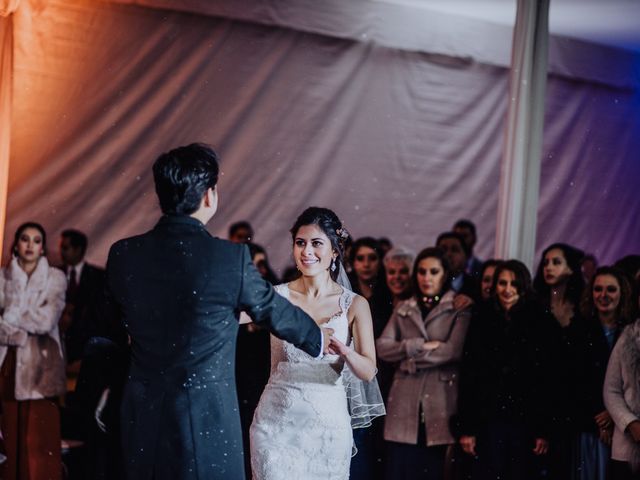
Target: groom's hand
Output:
[{"x": 326, "y": 339}]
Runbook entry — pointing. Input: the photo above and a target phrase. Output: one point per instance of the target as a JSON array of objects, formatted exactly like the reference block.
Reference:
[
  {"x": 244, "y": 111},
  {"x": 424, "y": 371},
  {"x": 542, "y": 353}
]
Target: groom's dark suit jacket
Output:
[{"x": 179, "y": 291}]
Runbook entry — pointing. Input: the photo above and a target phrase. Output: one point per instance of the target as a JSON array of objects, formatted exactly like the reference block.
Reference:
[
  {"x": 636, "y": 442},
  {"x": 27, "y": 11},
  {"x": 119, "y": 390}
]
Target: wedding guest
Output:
[
  {"x": 424, "y": 337},
  {"x": 457, "y": 253},
  {"x": 32, "y": 376},
  {"x": 622, "y": 401},
  {"x": 85, "y": 287},
  {"x": 559, "y": 285},
  {"x": 486, "y": 278},
  {"x": 96, "y": 401},
  {"x": 630, "y": 265},
  {"x": 467, "y": 229},
  {"x": 559, "y": 282},
  {"x": 368, "y": 279},
  {"x": 348, "y": 248},
  {"x": 505, "y": 408},
  {"x": 588, "y": 266},
  {"x": 606, "y": 308},
  {"x": 385, "y": 245},
  {"x": 366, "y": 262},
  {"x": 241, "y": 232},
  {"x": 261, "y": 261},
  {"x": 397, "y": 263}
]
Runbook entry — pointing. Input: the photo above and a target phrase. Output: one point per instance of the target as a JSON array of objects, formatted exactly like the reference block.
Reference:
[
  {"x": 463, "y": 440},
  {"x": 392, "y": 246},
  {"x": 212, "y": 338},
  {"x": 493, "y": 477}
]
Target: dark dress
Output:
[
  {"x": 506, "y": 388},
  {"x": 179, "y": 291},
  {"x": 592, "y": 350}
]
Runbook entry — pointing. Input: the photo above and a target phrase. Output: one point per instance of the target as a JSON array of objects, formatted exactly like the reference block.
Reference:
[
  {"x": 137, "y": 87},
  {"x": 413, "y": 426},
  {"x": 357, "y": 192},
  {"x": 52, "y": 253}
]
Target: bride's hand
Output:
[
  {"x": 336, "y": 347},
  {"x": 326, "y": 334},
  {"x": 431, "y": 345}
]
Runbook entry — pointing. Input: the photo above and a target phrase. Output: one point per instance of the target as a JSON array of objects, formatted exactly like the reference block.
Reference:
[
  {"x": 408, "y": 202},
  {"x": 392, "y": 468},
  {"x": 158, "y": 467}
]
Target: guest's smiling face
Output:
[
  {"x": 606, "y": 294},
  {"x": 398, "y": 276},
  {"x": 507, "y": 289}
]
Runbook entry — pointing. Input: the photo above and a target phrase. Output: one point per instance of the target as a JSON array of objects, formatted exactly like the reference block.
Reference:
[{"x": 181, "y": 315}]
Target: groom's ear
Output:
[{"x": 211, "y": 198}]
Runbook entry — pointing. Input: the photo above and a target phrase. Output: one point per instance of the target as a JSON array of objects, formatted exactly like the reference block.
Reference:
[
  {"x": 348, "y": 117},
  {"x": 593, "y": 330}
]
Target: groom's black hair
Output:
[{"x": 183, "y": 175}]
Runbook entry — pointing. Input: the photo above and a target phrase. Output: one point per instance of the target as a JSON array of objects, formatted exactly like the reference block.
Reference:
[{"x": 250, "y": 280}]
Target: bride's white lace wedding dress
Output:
[{"x": 301, "y": 429}]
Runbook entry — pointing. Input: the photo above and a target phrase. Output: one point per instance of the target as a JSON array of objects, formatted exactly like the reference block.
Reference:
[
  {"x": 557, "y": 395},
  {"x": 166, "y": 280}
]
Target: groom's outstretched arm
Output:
[{"x": 286, "y": 321}]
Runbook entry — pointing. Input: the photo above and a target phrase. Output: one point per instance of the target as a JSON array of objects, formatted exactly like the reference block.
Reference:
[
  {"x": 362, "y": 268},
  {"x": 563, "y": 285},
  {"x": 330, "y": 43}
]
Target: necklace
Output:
[{"x": 429, "y": 301}]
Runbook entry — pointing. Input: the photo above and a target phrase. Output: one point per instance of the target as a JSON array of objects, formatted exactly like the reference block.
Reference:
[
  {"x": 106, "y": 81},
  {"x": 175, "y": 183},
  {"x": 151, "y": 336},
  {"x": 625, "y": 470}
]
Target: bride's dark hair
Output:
[{"x": 332, "y": 227}]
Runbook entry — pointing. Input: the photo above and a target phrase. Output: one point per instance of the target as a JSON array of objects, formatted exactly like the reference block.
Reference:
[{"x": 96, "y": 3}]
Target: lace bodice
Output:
[{"x": 283, "y": 353}]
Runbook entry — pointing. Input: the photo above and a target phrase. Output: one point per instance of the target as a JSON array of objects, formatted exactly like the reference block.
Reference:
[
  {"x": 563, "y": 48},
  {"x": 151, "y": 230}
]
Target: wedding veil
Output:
[{"x": 364, "y": 398}]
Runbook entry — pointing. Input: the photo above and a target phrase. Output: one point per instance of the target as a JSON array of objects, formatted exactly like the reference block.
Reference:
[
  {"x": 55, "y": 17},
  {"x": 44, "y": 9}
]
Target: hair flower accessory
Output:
[{"x": 342, "y": 232}]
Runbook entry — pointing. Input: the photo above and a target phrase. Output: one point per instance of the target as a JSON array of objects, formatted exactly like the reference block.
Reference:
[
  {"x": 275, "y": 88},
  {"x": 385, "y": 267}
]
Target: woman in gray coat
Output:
[{"x": 425, "y": 338}]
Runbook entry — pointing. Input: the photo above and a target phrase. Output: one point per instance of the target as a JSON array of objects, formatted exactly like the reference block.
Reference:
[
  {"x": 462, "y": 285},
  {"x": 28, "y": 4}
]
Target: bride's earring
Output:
[{"x": 333, "y": 265}]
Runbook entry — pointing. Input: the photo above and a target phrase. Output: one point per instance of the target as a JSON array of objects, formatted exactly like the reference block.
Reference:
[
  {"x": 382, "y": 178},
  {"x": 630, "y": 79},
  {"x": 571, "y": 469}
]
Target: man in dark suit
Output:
[
  {"x": 85, "y": 289},
  {"x": 467, "y": 229},
  {"x": 179, "y": 291},
  {"x": 457, "y": 253}
]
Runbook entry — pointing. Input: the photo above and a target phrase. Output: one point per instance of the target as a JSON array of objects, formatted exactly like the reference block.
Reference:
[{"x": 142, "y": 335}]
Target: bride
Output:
[{"x": 302, "y": 426}]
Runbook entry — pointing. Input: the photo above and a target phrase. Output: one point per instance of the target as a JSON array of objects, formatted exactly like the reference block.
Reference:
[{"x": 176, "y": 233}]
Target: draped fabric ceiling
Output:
[{"x": 392, "y": 116}]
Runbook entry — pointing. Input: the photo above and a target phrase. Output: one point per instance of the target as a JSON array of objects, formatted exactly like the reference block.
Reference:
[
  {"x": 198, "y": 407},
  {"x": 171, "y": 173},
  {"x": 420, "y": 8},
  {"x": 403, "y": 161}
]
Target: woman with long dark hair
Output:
[
  {"x": 367, "y": 275},
  {"x": 32, "y": 376},
  {"x": 559, "y": 284},
  {"x": 504, "y": 408}
]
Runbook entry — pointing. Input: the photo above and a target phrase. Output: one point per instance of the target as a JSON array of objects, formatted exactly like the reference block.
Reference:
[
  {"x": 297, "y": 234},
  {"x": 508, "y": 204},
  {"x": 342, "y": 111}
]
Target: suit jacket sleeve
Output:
[
  {"x": 109, "y": 317},
  {"x": 266, "y": 307}
]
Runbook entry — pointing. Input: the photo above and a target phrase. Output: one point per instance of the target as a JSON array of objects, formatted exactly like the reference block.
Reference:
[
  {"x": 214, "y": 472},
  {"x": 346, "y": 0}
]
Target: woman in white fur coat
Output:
[{"x": 32, "y": 372}]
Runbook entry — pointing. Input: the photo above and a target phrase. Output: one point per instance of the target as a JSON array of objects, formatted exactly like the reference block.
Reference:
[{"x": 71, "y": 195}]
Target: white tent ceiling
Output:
[
  {"x": 390, "y": 113},
  {"x": 614, "y": 23}
]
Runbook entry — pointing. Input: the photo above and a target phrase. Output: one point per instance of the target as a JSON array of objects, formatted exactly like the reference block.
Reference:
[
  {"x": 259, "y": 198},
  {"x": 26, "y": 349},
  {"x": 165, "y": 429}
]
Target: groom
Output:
[{"x": 179, "y": 291}]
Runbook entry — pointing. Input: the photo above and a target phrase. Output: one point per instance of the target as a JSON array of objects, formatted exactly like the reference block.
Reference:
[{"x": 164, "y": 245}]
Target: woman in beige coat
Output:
[
  {"x": 425, "y": 338},
  {"x": 32, "y": 375},
  {"x": 622, "y": 399}
]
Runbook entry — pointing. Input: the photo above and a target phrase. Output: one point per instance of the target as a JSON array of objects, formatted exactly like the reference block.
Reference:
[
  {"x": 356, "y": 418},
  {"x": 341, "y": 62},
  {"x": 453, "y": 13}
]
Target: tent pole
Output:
[
  {"x": 522, "y": 152},
  {"x": 6, "y": 86}
]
